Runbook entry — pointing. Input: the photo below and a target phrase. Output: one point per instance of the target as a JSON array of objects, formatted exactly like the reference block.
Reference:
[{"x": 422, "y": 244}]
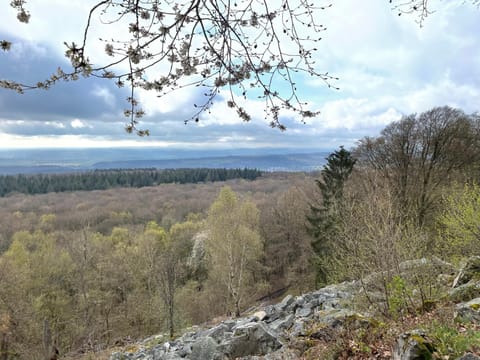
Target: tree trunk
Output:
[
  {"x": 4, "y": 347},
  {"x": 47, "y": 340}
]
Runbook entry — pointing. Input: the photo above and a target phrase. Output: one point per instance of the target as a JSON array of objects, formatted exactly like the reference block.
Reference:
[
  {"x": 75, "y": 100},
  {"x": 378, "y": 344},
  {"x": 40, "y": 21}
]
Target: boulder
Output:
[
  {"x": 285, "y": 304},
  {"x": 470, "y": 271},
  {"x": 304, "y": 311},
  {"x": 217, "y": 332},
  {"x": 465, "y": 292},
  {"x": 250, "y": 339},
  {"x": 204, "y": 349},
  {"x": 272, "y": 313},
  {"x": 281, "y": 354},
  {"x": 413, "y": 345},
  {"x": 282, "y": 323},
  {"x": 468, "y": 312},
  {"x": 434, "y": 263},
  {"x": 260, "y": 315}
]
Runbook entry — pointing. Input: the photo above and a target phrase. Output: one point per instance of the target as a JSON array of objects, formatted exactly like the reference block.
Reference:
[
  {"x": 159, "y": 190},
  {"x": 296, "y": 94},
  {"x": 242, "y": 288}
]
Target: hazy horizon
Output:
[{"x": 30, "y": 161}]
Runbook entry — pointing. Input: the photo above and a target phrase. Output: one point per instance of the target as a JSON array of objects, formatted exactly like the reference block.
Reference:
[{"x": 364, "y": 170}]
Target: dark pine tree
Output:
[{"x": 322, "y": 221}]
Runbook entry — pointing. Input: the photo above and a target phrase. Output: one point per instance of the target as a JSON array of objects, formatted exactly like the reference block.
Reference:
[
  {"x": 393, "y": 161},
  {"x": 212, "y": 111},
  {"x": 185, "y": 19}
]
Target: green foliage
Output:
[
  {"x": 323, "y": 222},
  {"x": 399, "y": 296},
  {"x": 45, "y": 281},
  {"x": 335, "y": 173},
  {"x": 459, "y": 232},
  {"x": 234, "y": 246},
  {"x": 146, "y": 272},
  {"x": 454, "y": 342}
]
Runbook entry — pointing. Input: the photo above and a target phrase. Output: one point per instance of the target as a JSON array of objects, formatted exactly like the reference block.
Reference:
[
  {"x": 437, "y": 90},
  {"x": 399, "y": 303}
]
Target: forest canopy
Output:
[
  {"x": 114, "y": 178},
  {"x": 82, "y": 271}
]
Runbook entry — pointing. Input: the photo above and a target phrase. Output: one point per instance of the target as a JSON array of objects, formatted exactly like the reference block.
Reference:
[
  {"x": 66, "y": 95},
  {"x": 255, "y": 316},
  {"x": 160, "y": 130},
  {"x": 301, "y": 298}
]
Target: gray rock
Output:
[
  {"x": 272, "y": 313},
  {"x": 281, "y": 354},
  {"x": 282, "y": 324},
  {"x": 298, "y": 329},
  {"x": 260, "y": 315},
  {"x": 434, "y": 263},
  {"x": 313, "y": 303},
  {"x": 469, "y": 356},
  {"x": 304, "y": 311},
  {"x": 204, "y": 349},
  {"x": 117, "y": 356},
  {"x": 250, "y": 339},
  {"x": 334, "y": 317},
  {"x": 412, "y": 264},
  {"x": 465, "y": 292},
  {"x": 413, "y": 345},
  {"x": 184, "y": 351},
  {"x": 154, "y": 340},
  {"x": 468, "y": 312},
  {"x": 244, "y": 321},
  {"x": 300, "y": 300},
  {"x": 285, "y": 303},
  {"x": 216, "y": 332},
  {"x": 470, "y": 271},
  {"x": 258, "y": 336}
]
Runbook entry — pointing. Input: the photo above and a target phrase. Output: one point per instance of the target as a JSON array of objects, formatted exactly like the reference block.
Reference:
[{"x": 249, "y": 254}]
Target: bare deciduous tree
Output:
[
  {"x": 421, "y": 8},
  {"x": 421, "y": 153}
]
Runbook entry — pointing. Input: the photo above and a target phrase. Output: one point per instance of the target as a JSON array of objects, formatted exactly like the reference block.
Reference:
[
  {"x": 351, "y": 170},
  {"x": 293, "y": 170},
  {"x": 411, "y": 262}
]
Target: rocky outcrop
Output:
[
  {"x": 261, "y": 335},
  {"x": 277, "y": 332}
]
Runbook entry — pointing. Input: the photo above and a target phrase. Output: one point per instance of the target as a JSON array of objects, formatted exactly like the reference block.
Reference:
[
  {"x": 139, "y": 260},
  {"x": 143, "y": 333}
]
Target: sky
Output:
[{"x": 387, "y": 65}]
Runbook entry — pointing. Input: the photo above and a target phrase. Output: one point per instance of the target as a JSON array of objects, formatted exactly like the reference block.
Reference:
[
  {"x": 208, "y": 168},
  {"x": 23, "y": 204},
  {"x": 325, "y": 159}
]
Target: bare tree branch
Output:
[{"x": 237, "y": 48}]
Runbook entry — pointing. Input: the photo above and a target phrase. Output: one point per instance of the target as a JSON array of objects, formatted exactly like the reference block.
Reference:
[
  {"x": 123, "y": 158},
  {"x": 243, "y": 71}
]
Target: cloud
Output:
[
  {"x": 388, "y": 67},
  {"x": 78, "y": 124},
  {"x": 55, "y": 124},
  {"x": 91, "y": 98},
  {"x": 105, "y": 94}
]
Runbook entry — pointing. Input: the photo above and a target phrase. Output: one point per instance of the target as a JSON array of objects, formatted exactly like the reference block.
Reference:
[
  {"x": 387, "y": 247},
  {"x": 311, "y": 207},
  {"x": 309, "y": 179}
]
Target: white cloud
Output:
[
  {"x": 78, "y": 124},
  {"x": 74, "y": 141},
  {"x": 105, "y": 94},
  {"x": 354, "y": 113},
  {"x": 55, "y": 124},
  {"x": 235, "y": 139},
  {"x": 387, "y": 65}
]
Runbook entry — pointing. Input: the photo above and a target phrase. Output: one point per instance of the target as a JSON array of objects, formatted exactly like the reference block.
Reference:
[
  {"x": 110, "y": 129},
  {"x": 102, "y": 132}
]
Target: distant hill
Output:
[
  {"x": 58, "y": 161},
  {"x": 287, "y": 162}
]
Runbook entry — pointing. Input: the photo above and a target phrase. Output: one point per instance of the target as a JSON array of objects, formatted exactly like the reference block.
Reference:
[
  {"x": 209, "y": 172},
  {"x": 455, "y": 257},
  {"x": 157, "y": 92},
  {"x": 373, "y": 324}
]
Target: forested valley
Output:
[{"x": 82, "y": 271}]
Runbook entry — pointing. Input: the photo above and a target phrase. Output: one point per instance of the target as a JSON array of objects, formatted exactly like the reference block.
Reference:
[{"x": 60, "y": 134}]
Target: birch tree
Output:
[{"x": 234, "y": 246}]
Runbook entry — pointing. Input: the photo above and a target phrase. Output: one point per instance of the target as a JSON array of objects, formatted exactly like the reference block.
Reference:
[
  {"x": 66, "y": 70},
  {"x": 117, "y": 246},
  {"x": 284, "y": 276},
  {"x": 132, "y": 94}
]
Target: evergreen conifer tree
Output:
[{"x": 323, "y": 219}]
